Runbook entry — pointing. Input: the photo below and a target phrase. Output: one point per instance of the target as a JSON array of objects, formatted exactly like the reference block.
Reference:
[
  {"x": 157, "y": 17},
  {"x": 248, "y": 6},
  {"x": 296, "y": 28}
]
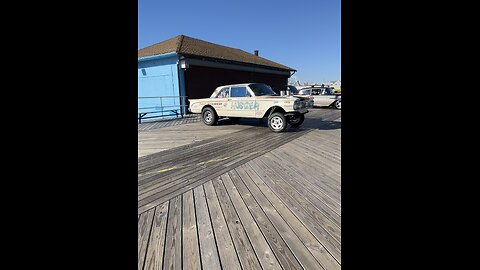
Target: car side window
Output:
[
  {"x": 315, "y": 92},
  {"x": 224, "y": 93},
  {"x": 238, "y": 92}
]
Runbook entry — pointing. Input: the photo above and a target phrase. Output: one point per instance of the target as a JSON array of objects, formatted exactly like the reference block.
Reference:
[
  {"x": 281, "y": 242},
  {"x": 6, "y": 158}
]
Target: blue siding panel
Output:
[
  {"x": 158, "y": 77},
  {"x": 181, "y": 78}
]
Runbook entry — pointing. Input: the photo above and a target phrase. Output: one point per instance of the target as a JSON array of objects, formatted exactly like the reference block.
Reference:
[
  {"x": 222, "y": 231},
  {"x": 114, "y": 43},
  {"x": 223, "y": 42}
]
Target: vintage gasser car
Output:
[{"x": 251, "y": 100}]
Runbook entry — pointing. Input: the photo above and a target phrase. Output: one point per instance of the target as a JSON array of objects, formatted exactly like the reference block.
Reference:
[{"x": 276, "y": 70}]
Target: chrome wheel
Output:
[
  {"x": 276, "y": 122},
  {"x": 338, "y": 104},
  {"x": 208, "y": 116}
]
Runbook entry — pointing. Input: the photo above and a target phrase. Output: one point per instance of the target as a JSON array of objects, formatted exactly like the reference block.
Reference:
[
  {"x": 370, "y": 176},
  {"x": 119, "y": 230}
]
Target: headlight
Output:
[
  {"x": 299, "y": 104},
  {"x": 296, "y": 104}
]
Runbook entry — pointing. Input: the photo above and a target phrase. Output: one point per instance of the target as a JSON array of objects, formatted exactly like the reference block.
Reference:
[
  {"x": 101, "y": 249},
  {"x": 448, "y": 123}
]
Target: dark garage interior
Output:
[{"x": 202, "y": 81}]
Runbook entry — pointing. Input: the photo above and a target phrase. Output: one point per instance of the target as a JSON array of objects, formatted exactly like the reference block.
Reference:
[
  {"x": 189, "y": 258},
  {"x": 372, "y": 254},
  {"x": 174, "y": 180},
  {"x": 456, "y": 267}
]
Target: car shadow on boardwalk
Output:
[
  {"x": 322, "y": 125},
  {"x": 310, "y": 123}
]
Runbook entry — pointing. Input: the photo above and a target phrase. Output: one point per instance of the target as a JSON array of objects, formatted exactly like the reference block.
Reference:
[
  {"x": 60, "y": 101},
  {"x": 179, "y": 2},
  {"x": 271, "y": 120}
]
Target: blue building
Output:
[{"x": 172, "y": 71}]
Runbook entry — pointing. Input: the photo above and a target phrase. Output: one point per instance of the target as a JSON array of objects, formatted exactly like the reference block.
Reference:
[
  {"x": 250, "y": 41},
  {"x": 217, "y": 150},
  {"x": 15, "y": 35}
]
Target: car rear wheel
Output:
[
  {"x": 209, "y": 116},
  {"x": 337, "y": 104},
  {"x": 296, "y": 121},
  {"x": 277, "y": 122}
]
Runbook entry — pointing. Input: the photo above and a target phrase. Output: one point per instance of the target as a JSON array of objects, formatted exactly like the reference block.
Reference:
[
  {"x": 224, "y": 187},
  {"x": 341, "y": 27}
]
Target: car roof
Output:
[{"x": 239, "y": 84}]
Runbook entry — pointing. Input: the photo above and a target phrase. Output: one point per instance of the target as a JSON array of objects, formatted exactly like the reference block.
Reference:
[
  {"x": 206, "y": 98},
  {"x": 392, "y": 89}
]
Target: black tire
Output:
[
  {"x": 337, "y": 104},
  {"x": 209, "y": 116},
  {"x": 297, "y": 121},
  {"x": 277, "y": 122}
]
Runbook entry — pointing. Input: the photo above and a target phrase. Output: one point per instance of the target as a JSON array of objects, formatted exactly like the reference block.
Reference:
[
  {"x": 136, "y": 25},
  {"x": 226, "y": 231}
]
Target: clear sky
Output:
[{"x": 302, "y": 34}]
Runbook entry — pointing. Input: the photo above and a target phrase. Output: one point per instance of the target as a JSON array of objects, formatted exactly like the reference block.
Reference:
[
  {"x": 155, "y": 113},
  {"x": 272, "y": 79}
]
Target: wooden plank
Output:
[
  {"x": 144, "y": 227},
  {"x": 316, "y": 156},
  {"x": 226, "y": 249},
  {"x": 191, "y": 253},
  {"x": 309, "y": 170},
  {"x": 208, "y": 172},
  {"x": 245, "y": 251},
  {"x": 206, "y": 238},
  {"x": 188, "y": 164},
  {"x": 157, "y": 140},
  {"x": 320, "y": 153},
  {"x": 315, "y": 176},
  {"x": 284, "y": 255},
  {"x": 320, "y": 232},
  {"x": 322, "y": 147},
  {"x": 184, "y": 164},
  {"x": 309, "y": 162},
  {"x": 154, "y": 259},
  {"x": 321, "y": 185},
  {"x": 305, "y": 188},
  {"x": 250, "y": 178},
  {"x": 173, "y": 244},
  {"x": 197, "y": 149},
  {"x": 307, "y": 206},
  {"x": 310, "y": 158}
]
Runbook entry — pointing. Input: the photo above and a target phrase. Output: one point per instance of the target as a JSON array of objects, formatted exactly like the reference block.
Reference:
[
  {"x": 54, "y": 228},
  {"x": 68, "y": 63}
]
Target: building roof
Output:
[{"x": 195, "y": 47}]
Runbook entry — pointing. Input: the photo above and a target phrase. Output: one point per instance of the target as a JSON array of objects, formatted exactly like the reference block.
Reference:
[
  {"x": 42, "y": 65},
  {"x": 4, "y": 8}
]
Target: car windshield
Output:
[
  {"x": 261, "y": 89},
  {"x": 293, "y": 89}
]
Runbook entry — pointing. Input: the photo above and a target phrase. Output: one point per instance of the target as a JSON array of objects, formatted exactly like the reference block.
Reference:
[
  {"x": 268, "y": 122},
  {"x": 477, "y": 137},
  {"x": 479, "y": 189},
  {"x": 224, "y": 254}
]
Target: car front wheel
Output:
[
  {"x": 277, "y": 122},
  {"x": 296, "y": 121},
  {"x": 209, "y": 116}
]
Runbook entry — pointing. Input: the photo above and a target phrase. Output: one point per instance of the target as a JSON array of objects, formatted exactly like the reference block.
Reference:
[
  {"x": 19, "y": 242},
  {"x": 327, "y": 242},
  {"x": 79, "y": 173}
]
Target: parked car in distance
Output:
[
  {"x": 292, "y": 89},
  {"x": 296, "y": 93},
  {"x": 251, "y": 100},
  {"x": 323, "y": 97}
]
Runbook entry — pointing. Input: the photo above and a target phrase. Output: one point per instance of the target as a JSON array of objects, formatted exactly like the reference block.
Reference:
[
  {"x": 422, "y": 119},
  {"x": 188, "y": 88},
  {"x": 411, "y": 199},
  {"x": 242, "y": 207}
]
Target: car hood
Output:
[{"x": 276, "y": 97}]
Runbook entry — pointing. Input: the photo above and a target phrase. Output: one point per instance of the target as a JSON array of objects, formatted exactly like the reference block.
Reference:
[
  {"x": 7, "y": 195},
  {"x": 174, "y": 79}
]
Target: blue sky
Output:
[{"x": 302, "y": 34}]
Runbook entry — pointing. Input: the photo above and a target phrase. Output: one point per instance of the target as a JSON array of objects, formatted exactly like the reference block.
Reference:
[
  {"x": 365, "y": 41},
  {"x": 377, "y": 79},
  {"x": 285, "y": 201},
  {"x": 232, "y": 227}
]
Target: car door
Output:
[
  {"x": 240, "y": 103},
  {"x": 317, "y": 98},
  {"x": 320, "y": 98},
  {"x": 327, "y": 97},
  {"x": 220, "y": 103}
]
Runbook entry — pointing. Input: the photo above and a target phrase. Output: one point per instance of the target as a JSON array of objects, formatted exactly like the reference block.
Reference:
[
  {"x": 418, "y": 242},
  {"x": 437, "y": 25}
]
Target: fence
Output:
[{"x": 153, "y": 107}]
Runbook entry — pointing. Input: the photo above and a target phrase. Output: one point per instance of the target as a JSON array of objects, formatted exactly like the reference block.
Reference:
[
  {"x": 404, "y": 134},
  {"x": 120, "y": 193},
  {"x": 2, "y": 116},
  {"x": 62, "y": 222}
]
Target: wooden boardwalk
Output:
[
  {"x": 251, "y": 199},
  {"x": 160, "y": 123}
]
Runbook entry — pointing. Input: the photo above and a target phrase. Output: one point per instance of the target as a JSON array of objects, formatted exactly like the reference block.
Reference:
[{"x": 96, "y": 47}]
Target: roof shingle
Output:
[{"x": 191, "y": 46}]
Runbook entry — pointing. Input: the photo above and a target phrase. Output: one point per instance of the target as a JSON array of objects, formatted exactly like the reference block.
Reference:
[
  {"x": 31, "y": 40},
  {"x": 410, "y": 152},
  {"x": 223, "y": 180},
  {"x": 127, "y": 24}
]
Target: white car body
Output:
[
  {"x": 249, "y": 107},
  {"x": 252, "y": 100}
]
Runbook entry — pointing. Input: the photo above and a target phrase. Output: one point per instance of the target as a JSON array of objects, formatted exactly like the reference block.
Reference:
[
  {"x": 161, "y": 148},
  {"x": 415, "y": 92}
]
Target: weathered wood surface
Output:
[
  {"x": 157, "y": 238},
  {"x": 158, "y": 183},
  {"x": 162, "y": 138},
  {"x": 173, "y": 240},
  {"x": 191, "y": 253},
  {"x": 226, "y": 249},
  {"x": 208, "y": 246},
  {"x": 263, "y": 201},
  {"x": 154, "y": 123}
]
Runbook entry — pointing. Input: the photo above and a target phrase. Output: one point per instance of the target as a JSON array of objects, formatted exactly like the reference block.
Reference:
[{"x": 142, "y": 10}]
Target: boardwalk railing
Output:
[{"x": 153, "y": 107}]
